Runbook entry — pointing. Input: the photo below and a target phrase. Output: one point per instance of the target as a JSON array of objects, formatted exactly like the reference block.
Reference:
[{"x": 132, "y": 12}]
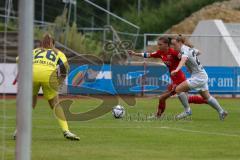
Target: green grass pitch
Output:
[{"x": 134, "y": 137}]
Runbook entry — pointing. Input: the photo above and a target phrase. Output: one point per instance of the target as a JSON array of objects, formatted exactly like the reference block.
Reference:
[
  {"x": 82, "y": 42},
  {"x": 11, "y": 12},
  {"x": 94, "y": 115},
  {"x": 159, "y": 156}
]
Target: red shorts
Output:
[{"x": 176, "y": 80}]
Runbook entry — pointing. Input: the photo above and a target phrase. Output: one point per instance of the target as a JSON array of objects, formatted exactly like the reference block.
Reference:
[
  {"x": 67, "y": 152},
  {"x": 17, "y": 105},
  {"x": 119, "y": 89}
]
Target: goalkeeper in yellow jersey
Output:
[{"x": 47, "y": 63}]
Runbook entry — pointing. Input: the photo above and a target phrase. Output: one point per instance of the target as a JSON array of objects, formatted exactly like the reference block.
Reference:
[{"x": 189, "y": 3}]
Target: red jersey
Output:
[{"x": 171, "y": 59}]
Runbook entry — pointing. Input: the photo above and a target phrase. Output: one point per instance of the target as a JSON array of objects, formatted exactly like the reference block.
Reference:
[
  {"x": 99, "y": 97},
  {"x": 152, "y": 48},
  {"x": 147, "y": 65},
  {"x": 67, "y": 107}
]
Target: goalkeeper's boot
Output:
[
  {"x": 184, "y": 114},
  {"x": 15, "y": 135},
  {"x": 71, "y": 136},
  {"x": 223, "y": 115}
]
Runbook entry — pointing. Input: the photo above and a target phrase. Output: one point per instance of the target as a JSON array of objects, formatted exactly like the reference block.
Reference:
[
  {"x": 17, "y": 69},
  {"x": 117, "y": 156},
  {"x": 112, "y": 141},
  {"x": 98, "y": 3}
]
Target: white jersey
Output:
[{"x": 193, "y": 64}]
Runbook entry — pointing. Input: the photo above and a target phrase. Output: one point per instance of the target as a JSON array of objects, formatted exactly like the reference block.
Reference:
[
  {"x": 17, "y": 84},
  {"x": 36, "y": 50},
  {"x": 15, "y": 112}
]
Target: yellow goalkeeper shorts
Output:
[
  {"x": 48, "y": 91},
  {"x": 48, "y": 82}
]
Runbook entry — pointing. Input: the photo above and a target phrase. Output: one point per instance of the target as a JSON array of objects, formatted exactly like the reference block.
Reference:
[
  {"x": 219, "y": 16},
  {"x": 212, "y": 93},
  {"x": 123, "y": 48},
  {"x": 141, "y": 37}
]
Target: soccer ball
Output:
[{"x": 118, "y": 111}]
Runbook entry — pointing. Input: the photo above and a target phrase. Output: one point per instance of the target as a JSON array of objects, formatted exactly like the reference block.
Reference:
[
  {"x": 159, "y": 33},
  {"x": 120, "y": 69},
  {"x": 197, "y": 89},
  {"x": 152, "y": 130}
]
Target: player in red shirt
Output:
[{"x": 171, "y": 59}]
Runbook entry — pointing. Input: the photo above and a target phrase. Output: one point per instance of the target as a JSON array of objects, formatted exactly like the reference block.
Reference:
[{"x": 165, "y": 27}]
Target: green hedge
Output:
[
  {"x": 70, "y": 35},
  {"x": 160, "y": 18}
]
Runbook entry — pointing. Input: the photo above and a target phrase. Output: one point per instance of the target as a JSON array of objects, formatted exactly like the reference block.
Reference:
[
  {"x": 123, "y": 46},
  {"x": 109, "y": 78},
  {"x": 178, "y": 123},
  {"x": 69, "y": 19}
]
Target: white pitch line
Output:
[
  {"x": 138, "y": 127},
  {"x": 201, "y": 132}
]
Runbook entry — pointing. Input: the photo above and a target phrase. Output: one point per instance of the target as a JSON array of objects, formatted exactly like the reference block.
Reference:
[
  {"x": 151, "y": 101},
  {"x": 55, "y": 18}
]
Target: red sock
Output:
[
  {"x": 161, "y": 107},
  {"x": 196, "y": 100}
]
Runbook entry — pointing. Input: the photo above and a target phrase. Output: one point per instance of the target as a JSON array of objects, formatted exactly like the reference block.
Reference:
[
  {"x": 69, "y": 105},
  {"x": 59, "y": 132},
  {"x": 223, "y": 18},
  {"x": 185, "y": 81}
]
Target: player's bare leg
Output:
[
  {"x": 61, "y": 119},
  {"x": 182, "y": 87},
  {"x": 214, "y": 103},
  {"x": 162, "y": 103},
  {"x": 34, "y": 102},
  {"x": 162, "y": 99},
  {"x": 182, "y": 97},
  {"x": 161, "y": 107}
]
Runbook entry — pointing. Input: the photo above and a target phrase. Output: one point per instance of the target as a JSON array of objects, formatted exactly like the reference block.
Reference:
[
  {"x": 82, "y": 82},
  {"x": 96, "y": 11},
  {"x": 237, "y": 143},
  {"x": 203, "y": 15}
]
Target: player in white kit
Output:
[{"x": 198, "y": 80}]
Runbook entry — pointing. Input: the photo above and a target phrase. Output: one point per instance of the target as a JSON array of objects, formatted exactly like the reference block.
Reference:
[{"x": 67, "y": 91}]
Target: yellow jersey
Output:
[{"x": 46, "y": 62}]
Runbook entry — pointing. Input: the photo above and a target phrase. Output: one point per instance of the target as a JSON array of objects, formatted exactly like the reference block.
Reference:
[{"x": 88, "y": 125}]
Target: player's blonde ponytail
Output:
[
  {"x": 184, "y": 40},
  {"x": 49, "y": 42}
]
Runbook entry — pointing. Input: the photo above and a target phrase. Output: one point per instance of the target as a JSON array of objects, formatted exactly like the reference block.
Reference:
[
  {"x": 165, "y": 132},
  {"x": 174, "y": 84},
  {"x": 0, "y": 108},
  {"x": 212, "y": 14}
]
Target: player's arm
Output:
[
  {"x": 62, "y": 73},
  {"x": 156, "y": 54},
  {"x": 176, "y": 54},
  {"x": 143, "y": 54},
  {"x": 180, "y": 65},
  {"x": 63, "y": 67}
]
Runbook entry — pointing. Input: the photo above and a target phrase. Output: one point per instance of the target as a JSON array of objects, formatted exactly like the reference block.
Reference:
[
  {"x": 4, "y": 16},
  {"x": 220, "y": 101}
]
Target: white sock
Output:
[
  {"x": 184, "y": 100},
  {"x": 214, "y": 103}
]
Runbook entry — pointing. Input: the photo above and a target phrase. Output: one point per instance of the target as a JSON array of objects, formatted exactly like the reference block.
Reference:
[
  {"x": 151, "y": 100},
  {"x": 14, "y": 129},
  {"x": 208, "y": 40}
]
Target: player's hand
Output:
[
  {"x": 171, "y": 87},
  {"x": 174, "y": 72},
  {"x": 130, "y": 52}
]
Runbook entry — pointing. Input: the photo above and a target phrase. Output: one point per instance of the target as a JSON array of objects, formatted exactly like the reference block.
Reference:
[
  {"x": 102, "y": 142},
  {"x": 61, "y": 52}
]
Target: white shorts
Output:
[{"x": 198, "y": 82}]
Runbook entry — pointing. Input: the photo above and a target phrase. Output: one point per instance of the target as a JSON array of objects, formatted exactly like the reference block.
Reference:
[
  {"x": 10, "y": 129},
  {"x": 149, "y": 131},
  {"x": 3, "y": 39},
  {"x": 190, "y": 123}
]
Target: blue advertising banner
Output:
[
  {"x": 222, "y": 80},
  {"x": 116, "y": 79}
]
